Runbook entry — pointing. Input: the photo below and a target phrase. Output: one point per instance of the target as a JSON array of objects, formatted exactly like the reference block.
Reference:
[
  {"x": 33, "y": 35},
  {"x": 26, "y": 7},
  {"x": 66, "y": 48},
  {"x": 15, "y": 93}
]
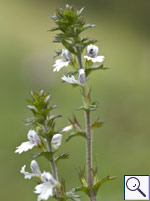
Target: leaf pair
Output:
[
  {"x": 95, "y": 187},
  {"x": 49, "y": 156}
]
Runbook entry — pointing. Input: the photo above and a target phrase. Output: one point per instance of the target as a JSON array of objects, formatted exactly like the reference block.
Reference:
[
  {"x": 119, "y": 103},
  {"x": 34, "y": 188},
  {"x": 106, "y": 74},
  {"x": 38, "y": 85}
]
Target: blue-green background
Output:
[{"x": 122, "y": 146}]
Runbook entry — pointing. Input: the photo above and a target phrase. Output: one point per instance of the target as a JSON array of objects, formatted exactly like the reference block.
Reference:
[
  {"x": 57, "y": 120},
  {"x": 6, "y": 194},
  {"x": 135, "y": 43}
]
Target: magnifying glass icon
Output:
[{"x": 133, "y": 184}]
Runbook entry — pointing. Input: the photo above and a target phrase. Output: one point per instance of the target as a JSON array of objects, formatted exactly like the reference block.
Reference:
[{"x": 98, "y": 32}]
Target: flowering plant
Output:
[{"x": 44, "y": 135}]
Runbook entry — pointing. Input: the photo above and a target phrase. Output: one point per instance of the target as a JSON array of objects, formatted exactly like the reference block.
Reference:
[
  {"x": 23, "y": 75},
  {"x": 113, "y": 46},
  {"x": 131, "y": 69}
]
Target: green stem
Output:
[{"x": 54, "y": 168}]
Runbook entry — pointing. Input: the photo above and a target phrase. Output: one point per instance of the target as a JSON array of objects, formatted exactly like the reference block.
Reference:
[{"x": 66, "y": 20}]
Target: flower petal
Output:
[
  {"x": 25, "y": 146},
  {"x": 27, "y": 175},
  {"x": 96, "y": 59},
  {"x": 60, "y": 63},
  {"x": 92, "y": 51},
  {"x": 33, "y": 137},
  {"x": 81, "y": 76},
  {"x": 66, "y": 55},
  {"x": 67, "y": 128},
  {"x": 70, "y": 80},
  {"x": 56, "y": 141},
  {"x": 35, "y": 168},
  {"x": 46, "y": 176},
  {"x": 44, "y": 190}
]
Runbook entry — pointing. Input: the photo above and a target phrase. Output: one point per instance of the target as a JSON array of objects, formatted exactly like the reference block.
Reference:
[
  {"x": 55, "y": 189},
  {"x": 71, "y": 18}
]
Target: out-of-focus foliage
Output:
[{"x": 122, "y": 29}]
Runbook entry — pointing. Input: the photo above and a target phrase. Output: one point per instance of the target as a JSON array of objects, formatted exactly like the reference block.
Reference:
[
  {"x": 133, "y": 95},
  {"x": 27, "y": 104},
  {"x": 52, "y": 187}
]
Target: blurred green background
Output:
[{"x": 121, "y": 146}]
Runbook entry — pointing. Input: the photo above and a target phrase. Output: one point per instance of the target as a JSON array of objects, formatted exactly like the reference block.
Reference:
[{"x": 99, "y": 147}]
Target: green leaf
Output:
[
  {"x": 36, "y": 155},
  {"x": 32, "y": 108},
  {"x": 57, "y": 53},
  {"x": 85, "y": 44},
  {"x": 82, "y": 178},
  {"x": 97, "y": 124},
  {"x": 62, "y": 156},
  {"x": 52, "y": 117},
  {"x": 47, "y": 155},
  {"x": 71, "y": 73},
  {"x": 99, "y": 183},
  {"x": 71, "y": 195},
  {"x": 82, "y": 134},
  {"x": 69, "y": 46},
  {"x": 93, "y": 68},
  {"x": 54, "y": 29},
  {"x": 83, "y": 189},
  {"x": 75, "y": 124},
  {"x": 85, "y": 27},
  {"x": 90, "y": 107},
  {"x": 30, "y": 121},
  {"x": 80, "y": 11}
]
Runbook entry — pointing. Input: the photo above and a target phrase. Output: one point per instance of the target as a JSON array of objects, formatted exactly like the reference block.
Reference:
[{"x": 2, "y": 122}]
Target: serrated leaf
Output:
[
  {"x": 93, "y": 68},
  {"x": 52, "y": 117},
  {"x": 82, "y": 178},
  {"x": 69, "y": 46},
  {"x": 83, "y": 189},
  {"x": 85, "y": 44},
  {"x": 80, "y": 11},
  {"x": 95, "y": 176},
  {"x": 87, "y": 26},
  {"x": 74, "y": 122},
  {"x": 32, "y": 108},
  {"x": 71, "y": 195},
  {"x": 57, "y": 53},
  {"x": 62, "y": 156},
  {"x": 47, "y": 155},
  {"x": 99, "y": 183},
  {"x": 97, "y": 124},
  {"x": 75, "y": 134},
  {"x": 71, "y": 73}
]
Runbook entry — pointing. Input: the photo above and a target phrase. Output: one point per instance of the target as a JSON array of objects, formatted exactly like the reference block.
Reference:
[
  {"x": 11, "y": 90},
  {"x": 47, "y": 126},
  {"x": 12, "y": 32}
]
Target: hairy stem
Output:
[
  {"x": 54, "y": 168},
  {"x": 79, "y": 57},
  {"x": 88, "y": 145},
  {"x": 86, "y": 101}
]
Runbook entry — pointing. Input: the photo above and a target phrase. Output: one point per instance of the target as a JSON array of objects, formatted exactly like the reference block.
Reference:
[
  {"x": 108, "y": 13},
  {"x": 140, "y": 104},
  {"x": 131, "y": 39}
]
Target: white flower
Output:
[
  {"x": 81, "y": 76},
  {"x": 34, "y": 140},
  {"x": 71, "y": 80},
  {"x": 66, "y": 59},
  {"x": 56, "y": 141},
  {"x": 45, "y": 190},
  {"x": 36, "y": 172},
  {"x": 67, "y": 128},
  {"x": 92, "y": 52}
]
